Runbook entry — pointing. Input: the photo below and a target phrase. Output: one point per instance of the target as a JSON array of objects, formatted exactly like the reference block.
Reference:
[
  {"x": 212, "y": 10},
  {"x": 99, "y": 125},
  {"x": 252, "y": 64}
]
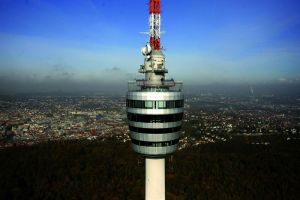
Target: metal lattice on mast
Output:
[{"x": 154, "y": 24}]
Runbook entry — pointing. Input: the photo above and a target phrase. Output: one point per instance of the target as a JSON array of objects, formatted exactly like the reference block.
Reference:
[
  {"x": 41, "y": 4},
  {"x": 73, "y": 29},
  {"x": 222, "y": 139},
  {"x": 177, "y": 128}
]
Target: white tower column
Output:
[{"x": 155, "y": 179}]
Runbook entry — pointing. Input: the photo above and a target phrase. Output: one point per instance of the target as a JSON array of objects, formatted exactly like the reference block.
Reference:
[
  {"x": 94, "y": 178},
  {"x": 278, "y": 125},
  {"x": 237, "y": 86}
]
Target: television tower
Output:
[{"x": 154, "y": 110}]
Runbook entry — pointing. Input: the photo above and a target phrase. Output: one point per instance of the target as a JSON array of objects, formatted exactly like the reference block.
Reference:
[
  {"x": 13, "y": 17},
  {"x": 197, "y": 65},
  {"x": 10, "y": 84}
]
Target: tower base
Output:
[{"x": 155, "y": 179}]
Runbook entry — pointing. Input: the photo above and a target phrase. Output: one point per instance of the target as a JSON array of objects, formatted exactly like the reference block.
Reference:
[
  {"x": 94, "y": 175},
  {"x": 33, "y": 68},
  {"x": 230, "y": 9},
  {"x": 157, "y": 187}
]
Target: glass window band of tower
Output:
[
  {"x": 154, "y": 118},
  {"x": 151, "y": 130},
  {"x": 155, "y": 144},
  {"x": 154, "y": 104}
]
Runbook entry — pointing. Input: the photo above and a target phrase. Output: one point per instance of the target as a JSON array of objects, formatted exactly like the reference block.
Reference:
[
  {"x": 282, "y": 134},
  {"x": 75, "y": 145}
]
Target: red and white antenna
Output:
[{"x": 154, "y": 24}]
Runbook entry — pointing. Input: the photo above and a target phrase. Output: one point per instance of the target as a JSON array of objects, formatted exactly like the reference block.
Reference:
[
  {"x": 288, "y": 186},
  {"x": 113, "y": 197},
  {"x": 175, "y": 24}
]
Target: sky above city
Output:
[{"x": 68, "y": 45}]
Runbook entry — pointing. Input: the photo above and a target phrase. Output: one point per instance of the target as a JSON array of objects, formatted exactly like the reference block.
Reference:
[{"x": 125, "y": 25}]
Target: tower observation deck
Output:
[{"x": 154, "y": 109}]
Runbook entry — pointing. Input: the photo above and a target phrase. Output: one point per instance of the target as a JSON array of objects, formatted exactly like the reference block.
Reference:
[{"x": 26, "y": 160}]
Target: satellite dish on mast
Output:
[{"x": 146, "y": 50}]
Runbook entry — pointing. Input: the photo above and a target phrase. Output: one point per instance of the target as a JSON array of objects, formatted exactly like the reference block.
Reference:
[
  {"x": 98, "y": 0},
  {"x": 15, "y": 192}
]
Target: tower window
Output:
[
  {"x": 154, "y": 104},
  {"x": 161, "y": 104},
  {"x": 154, "y": 144},
  {"x": 153, "y": 131},
  {"x": 154, "y": 118},
  {"x": 149, "y": 104}
]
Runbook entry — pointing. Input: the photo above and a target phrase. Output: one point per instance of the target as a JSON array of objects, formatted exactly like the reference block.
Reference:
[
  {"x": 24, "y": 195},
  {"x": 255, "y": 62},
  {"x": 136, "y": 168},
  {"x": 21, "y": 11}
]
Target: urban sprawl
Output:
[{"x": 208, "y": 118}]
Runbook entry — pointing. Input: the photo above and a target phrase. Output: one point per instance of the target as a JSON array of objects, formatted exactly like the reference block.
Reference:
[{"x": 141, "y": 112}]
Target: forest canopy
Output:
[{"x": 111, "y": 170}]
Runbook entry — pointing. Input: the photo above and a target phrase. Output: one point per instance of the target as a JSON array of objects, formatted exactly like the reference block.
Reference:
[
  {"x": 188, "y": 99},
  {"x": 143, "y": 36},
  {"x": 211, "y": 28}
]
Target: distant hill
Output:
[{"x": 110, "y": 170}]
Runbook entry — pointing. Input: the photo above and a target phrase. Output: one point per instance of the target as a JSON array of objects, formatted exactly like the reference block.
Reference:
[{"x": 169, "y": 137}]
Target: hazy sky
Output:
[{"x": 60, "y": 44}]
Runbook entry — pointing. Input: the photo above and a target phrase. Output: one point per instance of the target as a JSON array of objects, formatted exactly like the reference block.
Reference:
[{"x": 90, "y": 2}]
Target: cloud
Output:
[
  {"x": 49, "y": 83},
  {"x": 62, "y": 71},
  {"x": 289, "y": 80},
  {"x": 48, "y": 77},
  {"x": 58, "y": 67},
  {"x": 282, "y": 80},
  {"x": 114, "y": 69}
]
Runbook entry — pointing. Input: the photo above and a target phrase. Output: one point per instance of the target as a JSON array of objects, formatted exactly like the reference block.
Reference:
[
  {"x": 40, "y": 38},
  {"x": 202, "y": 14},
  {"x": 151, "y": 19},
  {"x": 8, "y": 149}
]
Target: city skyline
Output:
[{"x": 55, "y": 45}]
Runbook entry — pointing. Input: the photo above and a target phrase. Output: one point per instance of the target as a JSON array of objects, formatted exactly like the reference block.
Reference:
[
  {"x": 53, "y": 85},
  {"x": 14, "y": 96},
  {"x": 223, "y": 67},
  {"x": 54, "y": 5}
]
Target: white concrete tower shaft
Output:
[{"x": 155, "y": 179}]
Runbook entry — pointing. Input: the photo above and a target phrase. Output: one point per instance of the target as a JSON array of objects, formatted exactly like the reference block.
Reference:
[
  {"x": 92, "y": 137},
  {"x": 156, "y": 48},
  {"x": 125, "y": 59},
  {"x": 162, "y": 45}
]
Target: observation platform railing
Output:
[{"x": 162, "y": 86}]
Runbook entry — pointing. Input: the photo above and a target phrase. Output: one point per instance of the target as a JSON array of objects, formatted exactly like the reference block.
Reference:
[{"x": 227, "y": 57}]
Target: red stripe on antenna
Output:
[
  {"x": 155, "y": 43},
  {"x": 154, "y": 6}
]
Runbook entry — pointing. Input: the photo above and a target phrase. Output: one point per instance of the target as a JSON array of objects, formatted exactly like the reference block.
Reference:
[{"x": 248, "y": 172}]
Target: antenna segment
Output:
[{"x": 154, "y": 24}]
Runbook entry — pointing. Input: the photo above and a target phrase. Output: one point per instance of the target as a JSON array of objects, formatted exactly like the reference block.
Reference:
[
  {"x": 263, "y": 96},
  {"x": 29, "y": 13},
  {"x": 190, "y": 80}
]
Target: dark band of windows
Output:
[
  {"x": 154, "y": 144},
  {"x": 157, "y": 131},
  {"x": 154, "y": 104},
  {"x": 154, "y": 118}
]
